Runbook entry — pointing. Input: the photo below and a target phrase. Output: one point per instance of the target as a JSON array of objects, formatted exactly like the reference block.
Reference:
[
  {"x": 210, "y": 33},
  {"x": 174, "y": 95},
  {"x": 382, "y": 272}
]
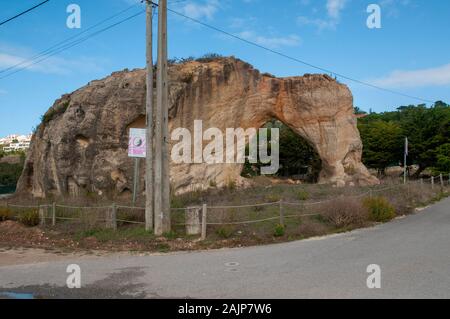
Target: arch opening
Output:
[{"x": 298, "y": 159}]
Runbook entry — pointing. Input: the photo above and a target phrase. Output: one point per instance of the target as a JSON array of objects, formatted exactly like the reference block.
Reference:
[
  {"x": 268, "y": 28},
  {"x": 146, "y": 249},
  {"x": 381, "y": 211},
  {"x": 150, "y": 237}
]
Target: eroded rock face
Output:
[{"x": 82, "y": 144}]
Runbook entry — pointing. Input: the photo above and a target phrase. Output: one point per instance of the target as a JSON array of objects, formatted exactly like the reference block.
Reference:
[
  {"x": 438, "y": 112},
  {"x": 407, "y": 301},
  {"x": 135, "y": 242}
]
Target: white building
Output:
[{"x": 15, "y": 142}]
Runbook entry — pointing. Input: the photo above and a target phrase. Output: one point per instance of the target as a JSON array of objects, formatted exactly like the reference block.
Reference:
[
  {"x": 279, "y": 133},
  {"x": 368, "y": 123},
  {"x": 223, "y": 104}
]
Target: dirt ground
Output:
[
  {"x": 16, "y": 241},
  {"x": 20, "y": 244},
  {"x": 23, "y": 256}
]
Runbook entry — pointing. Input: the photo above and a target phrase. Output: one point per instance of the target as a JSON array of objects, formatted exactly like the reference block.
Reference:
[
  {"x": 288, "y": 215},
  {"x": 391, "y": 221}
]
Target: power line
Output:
[
  {"x": 296, "y": 59},
  {"x": 50, "y": 52},
  {"x": 57, "y": 48},
  {"x": 24, "y": 12},
  {"x": 70, "y": 45},
  {"x": 50, "y": 49}
]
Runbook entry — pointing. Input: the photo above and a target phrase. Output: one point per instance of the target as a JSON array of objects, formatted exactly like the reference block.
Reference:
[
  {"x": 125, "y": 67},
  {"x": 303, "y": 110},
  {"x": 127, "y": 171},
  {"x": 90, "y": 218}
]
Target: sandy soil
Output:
[
  {"x": 22, "y": 256},
  {"x": 16, "y": 243}
]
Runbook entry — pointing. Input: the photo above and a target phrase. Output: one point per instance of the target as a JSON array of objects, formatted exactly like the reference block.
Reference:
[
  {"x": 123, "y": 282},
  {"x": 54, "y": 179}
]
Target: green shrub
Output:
[
  {"x": 5, "y": 214},
  {"x": 54, "y": 111},
  {"x": 209, "y": 57},
  {"x": 272, "y": 198},
  {"x": 29, "y": 218},
  {"x": 231, "y": 185},
  {"x": 163, "y": 247},
  {"x": 170, "y": 235},
  {"x": 380, "y": 210},
  {"x": 176, "y": 202},
  {"x": 320, "y": 218},
  {"x": 131, "y": 233},
  {"x": 212, "y": 183},
  {"x": 225, "y": 231},
  {"x": 10, "y": 173},
  {"x": 279, "y": 231},
  {"x": 186, "y": 60},
  {"x": 303, "y": 195}
]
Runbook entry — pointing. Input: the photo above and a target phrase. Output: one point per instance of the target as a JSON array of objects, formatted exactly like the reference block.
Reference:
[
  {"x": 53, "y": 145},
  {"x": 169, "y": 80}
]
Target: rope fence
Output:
[{"x": 196, "y": 219}]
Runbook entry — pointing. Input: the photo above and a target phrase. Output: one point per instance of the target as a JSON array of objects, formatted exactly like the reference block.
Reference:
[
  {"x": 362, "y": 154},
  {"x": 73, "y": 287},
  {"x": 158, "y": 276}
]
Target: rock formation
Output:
[{"x": 81, "y": 146}]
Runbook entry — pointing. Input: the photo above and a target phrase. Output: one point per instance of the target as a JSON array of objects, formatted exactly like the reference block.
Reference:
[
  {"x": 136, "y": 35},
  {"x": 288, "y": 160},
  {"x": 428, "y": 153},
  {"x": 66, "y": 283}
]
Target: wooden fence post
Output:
[
  {"x": 432, "y": 182},
  {"x": 442, "y": 180},
  {"x": 204, "y": 220},
  {"x": 113, "y": 217},
  {"x": 41, "y": 215},
  {"x": 193, "y": 220},
  {"x": 53, "y": 214}
]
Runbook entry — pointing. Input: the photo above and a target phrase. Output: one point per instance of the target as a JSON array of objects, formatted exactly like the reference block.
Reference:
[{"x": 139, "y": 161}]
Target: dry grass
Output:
[
  {"x": 341, "y": 211},
  {"x": 5, "y": 214},
  {"x": 411, "y": 196},
  {"x": 311, "y": 228},
  {"x": 345, "y": 212}
]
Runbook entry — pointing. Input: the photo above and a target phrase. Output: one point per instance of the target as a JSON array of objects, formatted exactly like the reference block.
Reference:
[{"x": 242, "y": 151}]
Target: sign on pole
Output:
[
  {"x": 137, "y": 143},
  {"x": 137, "y": 148}
]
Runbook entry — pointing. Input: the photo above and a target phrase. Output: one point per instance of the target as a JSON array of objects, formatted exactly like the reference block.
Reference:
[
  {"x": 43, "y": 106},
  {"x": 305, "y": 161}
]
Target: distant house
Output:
[{"x": 13, "y": 143}]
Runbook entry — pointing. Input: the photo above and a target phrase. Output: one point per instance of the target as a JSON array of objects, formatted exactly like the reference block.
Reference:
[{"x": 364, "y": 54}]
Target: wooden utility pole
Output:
[
  {"x": 162, "y": 182},
  {"x": 149, "y": 205},
  {"x": 166, "y": 139}
]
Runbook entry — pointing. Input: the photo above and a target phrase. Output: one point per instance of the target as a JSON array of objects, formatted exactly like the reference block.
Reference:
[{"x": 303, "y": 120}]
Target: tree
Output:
[
  {"x": 10, "y": 173},
  {"x": 382, "y": 144},
  {"x": 443, "y": 160},
  {"x": 297, "y": 157},
  {"x": 359, "y": 111},
  {"x": 427, "y": 128}
]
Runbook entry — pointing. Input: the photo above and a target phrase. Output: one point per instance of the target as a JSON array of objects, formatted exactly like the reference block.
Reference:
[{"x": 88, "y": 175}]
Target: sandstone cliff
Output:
[{"x": 81, "y": 146}]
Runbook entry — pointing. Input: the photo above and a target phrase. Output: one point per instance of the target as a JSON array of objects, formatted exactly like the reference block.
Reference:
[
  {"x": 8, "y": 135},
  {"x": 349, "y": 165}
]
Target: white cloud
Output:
[
  {"x": 334, "y": 8},
  {"x": 320, "y": 24},
  {"x": 201, "y": 10},
  {"x": 272, "y": 41},
  {"x": 394, "y": 7},
  {"x": 19, "y": 58},
  {"x": 266, "y": 36},
  {"x": 438, "y": 76},
  {"x": 11, "y": 60},
  {"x": 333, "y": 12}
]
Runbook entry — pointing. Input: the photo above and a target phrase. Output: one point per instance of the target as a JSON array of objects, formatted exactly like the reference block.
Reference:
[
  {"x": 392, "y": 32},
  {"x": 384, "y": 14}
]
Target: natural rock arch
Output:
[
  {"x": 224, "y": 93},
  {"x": 230, "y": 93}
]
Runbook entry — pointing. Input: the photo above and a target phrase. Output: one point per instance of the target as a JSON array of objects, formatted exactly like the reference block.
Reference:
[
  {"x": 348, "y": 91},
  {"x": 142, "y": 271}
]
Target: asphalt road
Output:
[{"x": 413, "y": 253}]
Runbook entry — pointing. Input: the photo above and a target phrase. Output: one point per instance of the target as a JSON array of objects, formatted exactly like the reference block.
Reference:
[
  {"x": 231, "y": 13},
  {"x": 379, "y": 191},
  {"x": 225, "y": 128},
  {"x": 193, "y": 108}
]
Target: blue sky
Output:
[{"x": 410, "y": 53}]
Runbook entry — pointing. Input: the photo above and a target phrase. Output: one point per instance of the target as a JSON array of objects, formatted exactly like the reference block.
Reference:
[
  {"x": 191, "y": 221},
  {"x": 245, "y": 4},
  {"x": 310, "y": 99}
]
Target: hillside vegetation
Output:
[
  {"x": 428, "y": 132},
  {"x": 10, "y": 172}
]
